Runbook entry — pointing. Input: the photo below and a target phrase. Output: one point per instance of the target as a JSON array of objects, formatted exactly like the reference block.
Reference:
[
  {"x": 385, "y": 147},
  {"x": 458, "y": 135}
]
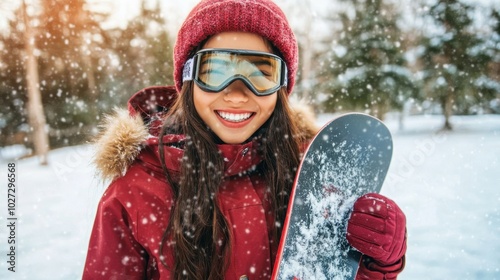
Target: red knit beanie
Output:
[{"x": 210, "y": 17}]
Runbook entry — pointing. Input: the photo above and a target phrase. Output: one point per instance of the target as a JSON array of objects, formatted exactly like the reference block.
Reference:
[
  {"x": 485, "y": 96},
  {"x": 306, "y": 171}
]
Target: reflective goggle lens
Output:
[{"x": 215, "y": 69}]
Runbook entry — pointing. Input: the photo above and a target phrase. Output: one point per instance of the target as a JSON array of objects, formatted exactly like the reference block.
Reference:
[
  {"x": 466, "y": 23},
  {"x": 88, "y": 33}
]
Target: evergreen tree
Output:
[
  {"x": 455, "y": 59},
  {"x": 71, "y": 43},
  {"x": 84, "y": 69},
  {"x": 488, "y": 83},
  {"x": 13, "y": 97},
  {"x": 495, "y": 51},
  {"x": 368, "y": 61},
  {"x": 495, "y": 38},
  {"x": 69, "y": 49},
  {"x": 144, "y": 54}
]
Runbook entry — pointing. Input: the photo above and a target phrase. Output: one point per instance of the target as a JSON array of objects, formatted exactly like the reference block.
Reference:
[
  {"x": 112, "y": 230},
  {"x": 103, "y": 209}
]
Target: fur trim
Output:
[
  {"x": 305, "y": 119},
  {"x": 119, "y": 143},
  {"x": 123, "y": 135}
]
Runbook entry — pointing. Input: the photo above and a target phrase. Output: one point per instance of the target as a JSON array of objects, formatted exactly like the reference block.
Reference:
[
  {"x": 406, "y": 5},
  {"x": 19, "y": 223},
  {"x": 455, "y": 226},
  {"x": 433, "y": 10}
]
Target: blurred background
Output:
[
  {"x": 82, "y": 57},
  {"x": 429, "y": 68}
]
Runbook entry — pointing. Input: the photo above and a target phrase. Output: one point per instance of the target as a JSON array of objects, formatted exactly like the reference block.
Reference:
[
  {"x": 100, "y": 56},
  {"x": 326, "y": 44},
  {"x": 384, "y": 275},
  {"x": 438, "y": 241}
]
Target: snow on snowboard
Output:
[{"x": 349, "y": 157}]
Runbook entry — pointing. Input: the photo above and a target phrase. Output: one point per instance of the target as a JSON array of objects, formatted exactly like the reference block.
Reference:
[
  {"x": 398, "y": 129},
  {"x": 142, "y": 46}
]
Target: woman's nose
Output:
[{"x": 236, "y": 92}]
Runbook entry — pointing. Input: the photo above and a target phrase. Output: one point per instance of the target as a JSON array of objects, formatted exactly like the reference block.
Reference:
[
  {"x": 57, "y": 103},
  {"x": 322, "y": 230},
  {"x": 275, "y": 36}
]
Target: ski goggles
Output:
[{"x": 215, "y": 69}]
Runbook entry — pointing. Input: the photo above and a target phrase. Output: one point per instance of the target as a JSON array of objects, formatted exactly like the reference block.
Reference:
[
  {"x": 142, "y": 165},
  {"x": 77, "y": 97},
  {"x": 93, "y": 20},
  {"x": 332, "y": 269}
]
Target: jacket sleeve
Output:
[
  {"x": 113, "y": 251},
  {"x": 368, "y": 269}
]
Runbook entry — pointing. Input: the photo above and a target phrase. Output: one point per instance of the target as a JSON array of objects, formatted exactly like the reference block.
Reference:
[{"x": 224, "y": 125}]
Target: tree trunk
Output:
[
  {"x": 448, "y": 109},
  {"x": 36, "y": 115},
  {"x": 380, "y": 112},
  {"x": 305, "y": 84},
  {"x": 378, "y": 109},
  {"x": 306, "y": 68},
  {"x": 90, "y": 76},
  {"x": 401, "y": 120}
]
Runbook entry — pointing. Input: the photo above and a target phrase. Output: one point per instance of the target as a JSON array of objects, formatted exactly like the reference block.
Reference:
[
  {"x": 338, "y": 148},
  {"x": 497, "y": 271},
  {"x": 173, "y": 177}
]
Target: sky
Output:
[
  {"x": 304, "y": 15},
  {"x": 124, "y": 10},
  {"x": 127, "y": 9}
]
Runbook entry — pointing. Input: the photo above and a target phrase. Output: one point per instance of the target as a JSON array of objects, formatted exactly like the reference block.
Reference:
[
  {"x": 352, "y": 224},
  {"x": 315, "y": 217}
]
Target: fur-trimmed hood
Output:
[{"x": 125, "y": 132}]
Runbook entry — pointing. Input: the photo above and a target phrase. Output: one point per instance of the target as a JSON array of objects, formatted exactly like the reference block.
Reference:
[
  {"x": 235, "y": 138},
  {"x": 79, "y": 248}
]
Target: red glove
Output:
[{"x": 377, "y": 228}]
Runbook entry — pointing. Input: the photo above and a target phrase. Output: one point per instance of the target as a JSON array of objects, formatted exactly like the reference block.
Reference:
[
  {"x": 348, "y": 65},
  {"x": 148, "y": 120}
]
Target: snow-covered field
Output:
[{"x": 448, "y": 184}]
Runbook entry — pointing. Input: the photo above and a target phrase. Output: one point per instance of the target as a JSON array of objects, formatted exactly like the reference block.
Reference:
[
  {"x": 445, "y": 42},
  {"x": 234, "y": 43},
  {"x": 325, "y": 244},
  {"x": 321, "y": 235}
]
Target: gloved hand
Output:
[{"x": 377, "y": 228}]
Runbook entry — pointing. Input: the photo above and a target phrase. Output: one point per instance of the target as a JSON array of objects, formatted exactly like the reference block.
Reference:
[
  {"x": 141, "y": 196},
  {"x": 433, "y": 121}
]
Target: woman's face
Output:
[{"x": 235, "y": 113}]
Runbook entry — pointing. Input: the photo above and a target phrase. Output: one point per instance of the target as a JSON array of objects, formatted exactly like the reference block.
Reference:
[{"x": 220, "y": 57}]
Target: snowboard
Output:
[{"x": 347, "y": 158}]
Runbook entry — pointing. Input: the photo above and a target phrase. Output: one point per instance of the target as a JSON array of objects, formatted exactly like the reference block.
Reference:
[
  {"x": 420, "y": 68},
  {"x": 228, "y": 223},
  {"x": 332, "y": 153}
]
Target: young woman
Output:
[{"x": 202, "y": 172}]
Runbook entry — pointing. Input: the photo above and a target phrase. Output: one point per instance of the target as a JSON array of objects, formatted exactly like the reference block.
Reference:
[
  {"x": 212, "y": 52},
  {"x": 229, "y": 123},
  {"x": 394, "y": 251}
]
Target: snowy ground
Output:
[{"x": 448, "y": 184}]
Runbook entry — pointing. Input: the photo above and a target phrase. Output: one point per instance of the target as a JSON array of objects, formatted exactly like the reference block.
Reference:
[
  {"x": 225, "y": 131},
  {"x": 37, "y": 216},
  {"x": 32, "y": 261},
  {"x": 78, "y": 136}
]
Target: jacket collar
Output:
[
  {"x": 238, "y": 159},
  {"x": 125, "y": 134}
]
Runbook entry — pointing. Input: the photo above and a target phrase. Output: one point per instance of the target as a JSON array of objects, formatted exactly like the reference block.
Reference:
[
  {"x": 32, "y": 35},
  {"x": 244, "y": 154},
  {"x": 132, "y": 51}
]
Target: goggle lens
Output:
[{"x": 215, "y": 69}]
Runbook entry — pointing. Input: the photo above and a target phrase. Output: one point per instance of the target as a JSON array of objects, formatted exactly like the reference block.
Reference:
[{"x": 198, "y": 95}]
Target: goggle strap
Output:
[
  {"x": 187, "y": 72},
  {"x": 285, "y": 79}
]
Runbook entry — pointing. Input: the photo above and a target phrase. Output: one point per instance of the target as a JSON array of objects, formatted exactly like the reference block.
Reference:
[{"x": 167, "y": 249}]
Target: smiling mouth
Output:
[{"x": 232, "y": 117}]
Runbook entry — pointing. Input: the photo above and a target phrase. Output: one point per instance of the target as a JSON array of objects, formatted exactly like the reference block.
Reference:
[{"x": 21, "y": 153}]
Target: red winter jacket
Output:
[{"x": 133, "y": 212}]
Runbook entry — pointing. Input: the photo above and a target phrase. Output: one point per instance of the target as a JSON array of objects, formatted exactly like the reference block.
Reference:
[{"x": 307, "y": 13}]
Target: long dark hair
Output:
[{"x": 198, "y": 234}]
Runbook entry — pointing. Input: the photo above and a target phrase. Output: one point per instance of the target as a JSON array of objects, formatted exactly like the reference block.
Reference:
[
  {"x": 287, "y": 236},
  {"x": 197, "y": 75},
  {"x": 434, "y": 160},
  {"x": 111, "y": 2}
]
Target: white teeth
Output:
[{"x": 234, "y": 117}]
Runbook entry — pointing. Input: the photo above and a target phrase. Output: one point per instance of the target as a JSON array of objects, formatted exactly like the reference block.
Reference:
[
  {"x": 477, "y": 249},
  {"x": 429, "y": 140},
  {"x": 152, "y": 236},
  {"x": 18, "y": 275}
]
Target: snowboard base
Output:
[{"x": 349, "y": 157}]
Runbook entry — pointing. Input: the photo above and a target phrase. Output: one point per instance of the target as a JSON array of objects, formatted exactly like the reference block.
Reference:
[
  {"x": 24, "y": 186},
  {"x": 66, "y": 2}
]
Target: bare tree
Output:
[{"x": 35, "y": 107}]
